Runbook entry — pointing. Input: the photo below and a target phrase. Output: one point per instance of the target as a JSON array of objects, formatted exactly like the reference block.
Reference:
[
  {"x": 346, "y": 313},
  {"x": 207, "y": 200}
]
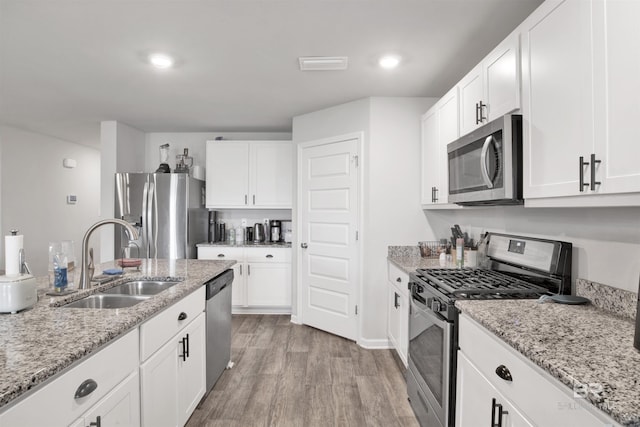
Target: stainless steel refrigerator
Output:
[{"x": 167, "y": 208}]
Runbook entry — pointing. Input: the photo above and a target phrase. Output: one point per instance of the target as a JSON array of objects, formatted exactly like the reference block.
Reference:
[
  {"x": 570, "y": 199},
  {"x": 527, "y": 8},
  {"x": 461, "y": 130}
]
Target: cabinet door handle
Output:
[
  {"x": 496, "y": 422},
  {"x": 241, "y": 269},
  {"x": 304, "y": 245},
  {"x": 187, "y": 346},
  {"x": 594, "y": 162},
  {"x": 220, "y": 255},
  {"x": 98, "y": 422},
  {"x": 182, "y": 316},
  {"x": 435, "y": 196},
  {"x": 582, "y": 165},
  {"x": 481, "y": 107},
  {"x": 477, "y": 108},
  {"x": 504, "y": 373},
  {"x": 254, "y": 199},
  {"x": 396, "y": 304},
  {"x": 85, "y": 389},
  {"x": 249, "y": 269},
  {"x": 245, "y": 199},
  {"x": 269, "y": 256},
  {"x": 184, "y": 350}
]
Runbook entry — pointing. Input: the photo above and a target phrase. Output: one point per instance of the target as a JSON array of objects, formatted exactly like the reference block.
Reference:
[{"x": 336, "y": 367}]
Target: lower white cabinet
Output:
[
  {"x": 262, "y": 277},
  {"x": 398, "y": 311},
  {"x": 529, "y": 394},
  {"x": 110, "y": 383},
  {"x": 173, "y": 378}
]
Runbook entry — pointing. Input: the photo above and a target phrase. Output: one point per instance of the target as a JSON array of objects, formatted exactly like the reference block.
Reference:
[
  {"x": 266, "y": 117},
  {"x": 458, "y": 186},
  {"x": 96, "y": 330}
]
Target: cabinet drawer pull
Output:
[
  {"x": 85, "y": 389},
  {"x": 399, "y": 280},
  {"x": 503, "y": 372},
  {"x": 220, "y": 255},
  {"x": 269, "y": 256},
  {"x": 182, "y": 316},
  {"x": 97, "y": 423}
]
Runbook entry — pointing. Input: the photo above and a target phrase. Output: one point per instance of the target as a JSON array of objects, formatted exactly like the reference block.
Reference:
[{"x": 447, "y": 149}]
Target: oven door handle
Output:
[
  {"x": 418, "y": 298},
  {"x": 483, "y": 162}
]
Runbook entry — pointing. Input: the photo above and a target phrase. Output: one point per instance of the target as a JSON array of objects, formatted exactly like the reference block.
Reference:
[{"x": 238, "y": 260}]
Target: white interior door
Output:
[{"x": 328, "y": 204}]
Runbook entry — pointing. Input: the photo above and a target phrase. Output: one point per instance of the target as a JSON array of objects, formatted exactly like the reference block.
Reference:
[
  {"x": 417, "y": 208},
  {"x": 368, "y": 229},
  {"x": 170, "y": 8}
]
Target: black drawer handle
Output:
[
  {"x": 399, "y": 280},
  {"x": 182, "y": 316},
  {"x": 220, "y": 255},
  {"x": 503, "y": 372},
  {"x": 269, "y": 256},
  {"x": 86, "y": 388},
  {"x": 98, "y": 422}
]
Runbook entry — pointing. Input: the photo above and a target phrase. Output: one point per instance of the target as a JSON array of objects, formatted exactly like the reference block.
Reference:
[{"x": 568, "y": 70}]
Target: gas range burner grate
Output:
[{"x": 467, "y": 282}]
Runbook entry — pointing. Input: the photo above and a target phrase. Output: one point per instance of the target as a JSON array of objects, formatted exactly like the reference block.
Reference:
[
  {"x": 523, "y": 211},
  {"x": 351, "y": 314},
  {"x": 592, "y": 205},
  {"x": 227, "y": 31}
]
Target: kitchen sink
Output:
[
  {"x": 108, "y": 301},
  {"x": 141, "y": 287}
]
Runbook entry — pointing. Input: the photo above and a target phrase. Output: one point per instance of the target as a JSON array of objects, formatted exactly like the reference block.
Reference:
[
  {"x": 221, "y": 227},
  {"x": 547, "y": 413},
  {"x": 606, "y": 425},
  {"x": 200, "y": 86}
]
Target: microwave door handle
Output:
[{"x": 483, "y": 162}]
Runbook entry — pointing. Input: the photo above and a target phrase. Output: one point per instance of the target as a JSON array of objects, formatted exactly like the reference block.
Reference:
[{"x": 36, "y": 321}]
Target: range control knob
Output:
[{"x": 436, "y": 305}]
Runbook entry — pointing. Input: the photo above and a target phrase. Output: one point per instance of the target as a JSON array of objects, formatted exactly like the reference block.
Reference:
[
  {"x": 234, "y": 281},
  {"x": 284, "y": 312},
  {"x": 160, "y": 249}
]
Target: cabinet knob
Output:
[
  {"x": 399, "y": 280},
  {"x": 182, "y": 316},
  {"x": 85, "y": 389},
  {"x": 503, "y": 372}
]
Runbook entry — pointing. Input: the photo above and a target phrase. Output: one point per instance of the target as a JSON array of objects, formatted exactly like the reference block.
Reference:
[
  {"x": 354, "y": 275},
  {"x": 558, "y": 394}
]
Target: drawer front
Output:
[
  {"x": 542, "y": 398},
  {"x": 220, "y": 252},
  {"x": 55, "y": 403},
  {"x": 268, "y": 254},
  {"x": 157, "y": 331},
  {"x": 398, "y": 277}
]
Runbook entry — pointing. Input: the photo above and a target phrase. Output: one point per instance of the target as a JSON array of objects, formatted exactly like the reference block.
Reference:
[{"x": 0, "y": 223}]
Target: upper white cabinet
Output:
[
  {"x": 580, "y": 137},
  {"x": 249, "y": 174},
  {"x": 439, "y": 128},
  {"x": 492, "y": 88}
]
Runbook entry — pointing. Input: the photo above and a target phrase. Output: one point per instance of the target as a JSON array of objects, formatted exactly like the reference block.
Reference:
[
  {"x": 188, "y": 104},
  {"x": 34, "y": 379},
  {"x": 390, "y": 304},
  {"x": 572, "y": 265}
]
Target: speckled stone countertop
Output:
[
  {"x": 247, "y": 245},
  {"x": 408, "y": 259},
  {"x": 573, "y": 343},
  {"x": 42, "y": 341}
]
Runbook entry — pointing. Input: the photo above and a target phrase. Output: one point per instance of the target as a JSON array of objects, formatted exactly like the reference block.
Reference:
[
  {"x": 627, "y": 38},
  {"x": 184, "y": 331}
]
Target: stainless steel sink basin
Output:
[
  {"x": 107, "y": 301},
  {"x": 141, "y": 287}
]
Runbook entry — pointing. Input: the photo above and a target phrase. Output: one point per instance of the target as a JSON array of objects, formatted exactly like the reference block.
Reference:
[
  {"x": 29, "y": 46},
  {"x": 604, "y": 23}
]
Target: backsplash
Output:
[
  {"x": 403, "y": 251},
  {"x": 617, "y": 301}
]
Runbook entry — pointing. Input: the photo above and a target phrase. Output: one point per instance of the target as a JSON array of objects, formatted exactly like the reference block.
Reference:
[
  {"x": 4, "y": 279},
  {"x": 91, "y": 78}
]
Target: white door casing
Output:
[{"x": 328, "y": 212}]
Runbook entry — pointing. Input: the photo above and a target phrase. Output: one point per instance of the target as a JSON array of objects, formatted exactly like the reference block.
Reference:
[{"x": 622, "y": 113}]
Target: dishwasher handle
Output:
[{"x": 218, "y": 283}]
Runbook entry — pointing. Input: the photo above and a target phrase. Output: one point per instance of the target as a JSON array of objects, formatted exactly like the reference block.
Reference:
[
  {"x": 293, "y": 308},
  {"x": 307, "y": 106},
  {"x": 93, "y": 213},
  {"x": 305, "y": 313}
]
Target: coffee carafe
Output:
[{"x": 258, "y": 233}]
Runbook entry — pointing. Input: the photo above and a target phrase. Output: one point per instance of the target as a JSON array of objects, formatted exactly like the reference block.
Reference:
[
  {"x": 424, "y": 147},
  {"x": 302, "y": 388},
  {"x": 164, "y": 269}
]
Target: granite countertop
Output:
[
  {"x": 409, "y": 264},
  {"x": 247, "y": 245},
  {"x": 42, "y": 341},
  {"x": 577, "y": 344}
]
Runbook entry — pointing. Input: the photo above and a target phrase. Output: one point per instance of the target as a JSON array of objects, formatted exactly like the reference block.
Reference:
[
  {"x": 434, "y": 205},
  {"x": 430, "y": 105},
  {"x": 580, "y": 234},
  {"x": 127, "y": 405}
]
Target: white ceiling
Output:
[{"x": 66, "y": 65}]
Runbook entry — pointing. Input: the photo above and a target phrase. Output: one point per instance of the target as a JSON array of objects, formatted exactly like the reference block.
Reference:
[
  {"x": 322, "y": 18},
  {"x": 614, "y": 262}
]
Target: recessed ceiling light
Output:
[
  {"x": 160, "y": 60},
  {"x": 322, "y": 63},
  {"x": 389, "y": 62}
]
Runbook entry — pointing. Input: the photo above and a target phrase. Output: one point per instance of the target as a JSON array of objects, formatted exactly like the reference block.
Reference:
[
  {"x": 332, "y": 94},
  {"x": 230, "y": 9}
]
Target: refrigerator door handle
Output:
[
  {"x": 153, "y": 218},
  {"x": 145, "y": 218}
]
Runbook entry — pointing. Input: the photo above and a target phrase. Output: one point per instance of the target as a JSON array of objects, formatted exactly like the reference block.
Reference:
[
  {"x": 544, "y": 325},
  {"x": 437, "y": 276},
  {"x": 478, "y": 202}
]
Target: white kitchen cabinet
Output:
[
  {"x": 121, "y": 407},
  {"x": 492, "y": 88},
  {"x": 439, "y": 128},
  {"x": 398, "y": 311},
  {"x": 115, "y": 396},
  {"x": 262, "y": 282},
  {"x": 477, "y": 401},
  {"x": 173, "y": 379},
  {"x": 579, "y": 117},
  {"x": 531, "y": 396},
  {"x": 249, "y": 174}
]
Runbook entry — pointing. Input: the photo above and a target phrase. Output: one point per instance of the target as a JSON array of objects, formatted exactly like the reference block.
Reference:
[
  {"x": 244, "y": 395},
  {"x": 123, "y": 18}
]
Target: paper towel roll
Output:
[{"x": 12, "y": 246}]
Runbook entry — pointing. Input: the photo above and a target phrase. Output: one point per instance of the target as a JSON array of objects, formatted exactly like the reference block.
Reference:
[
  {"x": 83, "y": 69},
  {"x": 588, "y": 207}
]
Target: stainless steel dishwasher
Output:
[{"x": 218, "y": 315}]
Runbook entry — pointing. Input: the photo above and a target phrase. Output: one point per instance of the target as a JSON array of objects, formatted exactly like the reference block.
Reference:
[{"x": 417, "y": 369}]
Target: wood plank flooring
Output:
[{"x": 294, "y": 375}]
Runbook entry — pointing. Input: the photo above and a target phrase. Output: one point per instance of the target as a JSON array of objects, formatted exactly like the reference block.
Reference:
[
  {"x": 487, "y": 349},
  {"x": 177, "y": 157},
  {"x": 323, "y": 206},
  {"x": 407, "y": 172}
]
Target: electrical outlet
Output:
[
  {"x": 243, "y": 221},
  {"x": 265, "y": 221}
]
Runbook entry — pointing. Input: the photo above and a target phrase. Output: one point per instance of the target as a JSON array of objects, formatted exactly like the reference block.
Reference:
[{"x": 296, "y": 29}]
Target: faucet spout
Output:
[{"x": 85, "y": 280}]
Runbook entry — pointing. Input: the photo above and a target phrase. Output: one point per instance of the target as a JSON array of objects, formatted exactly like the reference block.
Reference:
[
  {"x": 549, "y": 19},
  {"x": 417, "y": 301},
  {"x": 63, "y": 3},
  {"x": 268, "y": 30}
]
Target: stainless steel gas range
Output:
[{"x": 519, "y": 267}]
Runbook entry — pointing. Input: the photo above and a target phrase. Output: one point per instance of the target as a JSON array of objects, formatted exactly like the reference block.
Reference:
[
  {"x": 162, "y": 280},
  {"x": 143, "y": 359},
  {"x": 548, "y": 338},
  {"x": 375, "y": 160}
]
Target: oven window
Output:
[{"x": 426, "y": 347}]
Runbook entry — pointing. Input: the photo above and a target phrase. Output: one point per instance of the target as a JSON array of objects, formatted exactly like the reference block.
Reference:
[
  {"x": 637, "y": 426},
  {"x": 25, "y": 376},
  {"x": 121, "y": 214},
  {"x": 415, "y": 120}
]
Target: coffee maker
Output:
[{"x": 275, "y": 228}]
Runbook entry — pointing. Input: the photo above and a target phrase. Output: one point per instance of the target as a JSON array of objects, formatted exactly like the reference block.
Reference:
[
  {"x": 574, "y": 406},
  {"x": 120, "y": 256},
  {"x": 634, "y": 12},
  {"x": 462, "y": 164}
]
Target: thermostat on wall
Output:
[{"x": 72, "y": 199}]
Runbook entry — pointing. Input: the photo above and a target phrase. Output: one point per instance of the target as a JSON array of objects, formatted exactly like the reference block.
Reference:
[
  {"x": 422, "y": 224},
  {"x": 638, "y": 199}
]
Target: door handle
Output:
[
  {"x": 496, "y": 422},
  {"x": 182, "y": 316},
  {"x": 477, "y": 119},
  {"x": 98, "y": 422},
  {"x": 241, "y": 269},
  {"x": 504, "y": 373},
  {"x": 594, "y": 162},
  {"x": 435, "y": 195},
  {"x": 582, "y": 165},
  {"x": 304, "y": 245},
  {"x": 483, "y": 162},
  {"x": 481, "y": 107},
  {"x": 269, "y": 256},
  {"x": 245, "y": 199},
  {"x": 220, "y": 255},
  {"x": 396, "y": 304},
  {"x": 254, "y": 199},
  {"x": 86, "y": 388},
  {"x": 249, "y": 269}
]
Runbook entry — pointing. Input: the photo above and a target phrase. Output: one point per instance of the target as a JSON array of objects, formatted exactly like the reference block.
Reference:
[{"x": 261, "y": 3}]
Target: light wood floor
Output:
[{"x": 294, "y": 375}]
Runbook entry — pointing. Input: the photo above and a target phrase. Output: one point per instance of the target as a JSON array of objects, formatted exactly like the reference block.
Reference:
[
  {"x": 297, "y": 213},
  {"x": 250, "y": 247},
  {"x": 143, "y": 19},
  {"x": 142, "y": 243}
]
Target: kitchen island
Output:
[{"x": 48, "y": 339}]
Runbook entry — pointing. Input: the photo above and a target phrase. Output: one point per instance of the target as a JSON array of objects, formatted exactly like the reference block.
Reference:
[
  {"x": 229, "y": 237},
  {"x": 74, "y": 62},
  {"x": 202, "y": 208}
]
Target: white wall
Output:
[
  {"x": 606, "y": 241},
  {"x": 196, "y": 143},
  {"x": 390, "y": 190},
  {"x": 34, "y": 186}
]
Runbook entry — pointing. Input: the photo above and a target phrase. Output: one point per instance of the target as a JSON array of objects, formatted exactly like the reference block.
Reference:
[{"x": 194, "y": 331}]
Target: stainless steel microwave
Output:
[{"x": 485, "y": 166}]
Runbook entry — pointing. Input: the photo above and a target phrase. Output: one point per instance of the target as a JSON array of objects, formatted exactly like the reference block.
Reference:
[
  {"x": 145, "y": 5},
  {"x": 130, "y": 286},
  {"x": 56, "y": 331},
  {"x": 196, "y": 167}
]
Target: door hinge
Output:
[
  {"x": 356, "y": 310},
  {"x": 355, "y": 160}
]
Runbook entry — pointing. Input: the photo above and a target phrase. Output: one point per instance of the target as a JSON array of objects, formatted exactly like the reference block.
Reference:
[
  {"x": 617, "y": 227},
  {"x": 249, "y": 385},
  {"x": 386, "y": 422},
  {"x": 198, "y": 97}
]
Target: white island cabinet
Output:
[
  {"x": 249, "y": 174},
  {"x": 496, "y": 385},
  {"x": 103, "y": 389},
  {"x": 172, "y": 351}
]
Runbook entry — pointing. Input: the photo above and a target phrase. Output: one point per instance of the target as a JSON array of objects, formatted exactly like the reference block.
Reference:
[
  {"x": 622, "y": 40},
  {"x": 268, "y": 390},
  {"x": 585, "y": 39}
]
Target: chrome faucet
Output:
[{"x": 85, "y": 280}]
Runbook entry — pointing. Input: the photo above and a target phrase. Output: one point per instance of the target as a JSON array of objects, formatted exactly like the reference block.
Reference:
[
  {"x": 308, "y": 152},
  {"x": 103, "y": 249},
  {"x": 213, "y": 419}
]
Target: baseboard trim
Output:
[
  {"x": 373, "y": 344},
  {"x": 261, "y": 310},
  {"x": 295, "y": 320}
]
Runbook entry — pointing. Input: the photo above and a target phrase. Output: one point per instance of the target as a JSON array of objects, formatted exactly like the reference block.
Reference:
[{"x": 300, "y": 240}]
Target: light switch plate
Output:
[{"x": 72, "y": 199}]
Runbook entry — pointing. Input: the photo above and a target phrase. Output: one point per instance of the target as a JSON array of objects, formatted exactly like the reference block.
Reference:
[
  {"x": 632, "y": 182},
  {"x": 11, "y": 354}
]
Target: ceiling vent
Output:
[{"x": 322, "y": 63}]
